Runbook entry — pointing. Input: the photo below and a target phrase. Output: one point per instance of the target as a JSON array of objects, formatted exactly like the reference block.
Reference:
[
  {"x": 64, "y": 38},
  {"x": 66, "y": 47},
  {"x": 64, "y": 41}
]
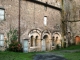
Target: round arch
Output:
[
  {"x": 57, "y": 34},
  {"x": 35, "y": 42},
  {"x": 46, "y": 32},
  {"x": 46, "y": 40},
  {"x": 35, "y": 32},
  {"x": 57, "y": 39}
]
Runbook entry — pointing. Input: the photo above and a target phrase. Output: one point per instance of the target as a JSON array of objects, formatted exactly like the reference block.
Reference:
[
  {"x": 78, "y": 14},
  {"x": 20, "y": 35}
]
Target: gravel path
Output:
[
  {"x": 48, "y": 56},
  {"x": 70, "y": 51},
  {"x": 53, "y": 56}
]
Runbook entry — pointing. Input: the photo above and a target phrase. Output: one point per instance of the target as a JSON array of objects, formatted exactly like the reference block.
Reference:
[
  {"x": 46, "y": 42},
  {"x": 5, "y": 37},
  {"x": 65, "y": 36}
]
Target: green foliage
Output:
[
  {"x": 12, "y": 35},
  {"x": 15, "y": 46}
]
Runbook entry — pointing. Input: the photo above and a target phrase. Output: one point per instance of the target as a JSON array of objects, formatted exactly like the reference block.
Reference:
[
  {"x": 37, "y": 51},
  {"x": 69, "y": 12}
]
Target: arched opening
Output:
[
  {"x": 31, "y": 41},
  {"x": 57, "y": 40},
  {"x": 45, "y": 37},
  {"x": 46, "y": 42},
  {"x": 36, "y": 41},
  {"x": 52, "y": 41}
]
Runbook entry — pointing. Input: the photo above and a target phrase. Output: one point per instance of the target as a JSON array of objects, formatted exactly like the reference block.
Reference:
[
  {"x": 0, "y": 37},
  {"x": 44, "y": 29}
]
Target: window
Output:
[
  {"x": 53, "y": 41},
  {"x": 1, "y": 14},
  {"x": 1, "y": 40},
  {"x": 36, "y": 41},
  {"x": 45, "y": 20},
  {"x": 31, "y": 41}
]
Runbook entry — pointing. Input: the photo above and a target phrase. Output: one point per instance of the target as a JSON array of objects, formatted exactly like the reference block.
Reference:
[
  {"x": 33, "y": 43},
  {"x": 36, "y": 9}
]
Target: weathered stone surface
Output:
[
  {"x": 72, "y": 15},
  {"x": 31, "y": 16}
]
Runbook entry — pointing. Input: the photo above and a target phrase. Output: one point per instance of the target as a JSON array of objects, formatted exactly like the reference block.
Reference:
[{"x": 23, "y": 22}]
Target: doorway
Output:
[{"x": 45, "y": 43}]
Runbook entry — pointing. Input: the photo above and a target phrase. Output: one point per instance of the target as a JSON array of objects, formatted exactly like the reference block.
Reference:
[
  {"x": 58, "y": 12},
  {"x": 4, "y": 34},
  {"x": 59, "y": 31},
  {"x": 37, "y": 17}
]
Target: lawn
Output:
[
  {"x": 29, "y": 56},
  {"x": 72, "y": 56},
  {"x": 69, "y": 55},
  {"x": 16, "y": 56}
]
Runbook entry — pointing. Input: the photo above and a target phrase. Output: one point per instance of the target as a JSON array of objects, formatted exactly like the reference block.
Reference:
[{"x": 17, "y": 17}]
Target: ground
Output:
[
  {"x": 49, "y": 56},
  {"x": 70, "y": 53}
]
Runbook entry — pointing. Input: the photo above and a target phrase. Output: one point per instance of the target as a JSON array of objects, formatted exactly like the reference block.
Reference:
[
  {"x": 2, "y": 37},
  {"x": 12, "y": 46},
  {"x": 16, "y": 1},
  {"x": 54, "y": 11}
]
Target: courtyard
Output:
[
  {"x": 69, "y": 53},
  {"x": 39, "y": 30}
]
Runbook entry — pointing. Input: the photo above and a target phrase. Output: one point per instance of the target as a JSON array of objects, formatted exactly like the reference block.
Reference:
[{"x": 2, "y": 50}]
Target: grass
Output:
[
  {"x": 68, "y": 55},
  {"x": 72, "y": 56},
  {"x": 16, "y": 56},
  {"x": 7, "y": 55},
  {"x": 73, "y": 47}
]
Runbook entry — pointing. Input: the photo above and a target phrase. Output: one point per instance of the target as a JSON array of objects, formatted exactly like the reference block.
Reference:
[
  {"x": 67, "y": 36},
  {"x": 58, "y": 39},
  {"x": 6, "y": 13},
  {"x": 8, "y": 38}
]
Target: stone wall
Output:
[
  {"x": 11, "y": 15},
  {"x": 31, "y": 17},
  {"x": 71, "y": 17}
]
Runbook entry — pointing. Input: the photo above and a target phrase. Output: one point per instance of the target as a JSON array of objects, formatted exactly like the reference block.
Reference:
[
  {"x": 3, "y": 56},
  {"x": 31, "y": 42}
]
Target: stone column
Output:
[
  {"x": 33, "y": 42},
  {"x": 39, "y": 44},
  {"x": 50, "y": 44}
]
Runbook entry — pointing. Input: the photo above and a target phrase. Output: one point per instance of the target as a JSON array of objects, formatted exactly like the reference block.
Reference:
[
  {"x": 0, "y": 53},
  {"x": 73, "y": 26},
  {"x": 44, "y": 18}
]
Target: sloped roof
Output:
[{"x": 42, "y": 3}]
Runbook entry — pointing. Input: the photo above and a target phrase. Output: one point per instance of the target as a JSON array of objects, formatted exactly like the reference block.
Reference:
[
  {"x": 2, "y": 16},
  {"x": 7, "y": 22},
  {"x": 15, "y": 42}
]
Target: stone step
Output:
[{"x": 2, "y": 48}]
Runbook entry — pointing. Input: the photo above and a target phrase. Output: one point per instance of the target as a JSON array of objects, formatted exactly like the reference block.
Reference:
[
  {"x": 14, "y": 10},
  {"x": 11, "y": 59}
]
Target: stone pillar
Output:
[
  {"x": 50, "y": 44},
  {"x": 38, "y": 44},
  {"x": 33, "y": 42}
]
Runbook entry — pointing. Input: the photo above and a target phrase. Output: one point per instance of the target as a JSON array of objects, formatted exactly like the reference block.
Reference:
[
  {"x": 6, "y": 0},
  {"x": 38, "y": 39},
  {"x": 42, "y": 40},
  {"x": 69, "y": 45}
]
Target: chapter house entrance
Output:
[
  {"x": 35, "y": 41},
  {"x": 45, "y": 38}
]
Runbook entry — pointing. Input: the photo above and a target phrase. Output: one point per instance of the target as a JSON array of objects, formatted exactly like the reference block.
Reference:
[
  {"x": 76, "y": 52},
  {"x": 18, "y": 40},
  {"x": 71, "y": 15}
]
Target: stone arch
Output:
[
  {"x": 36, "y": 39},
  {"x": 46, "y": 40},
  {"x": 35, "y": 32},
  {"x": 57, "y": 34},
  {"x": 57, "y": 39},
  {"x": 46, "y": 32},
  {"x": 45, "y": 36}
]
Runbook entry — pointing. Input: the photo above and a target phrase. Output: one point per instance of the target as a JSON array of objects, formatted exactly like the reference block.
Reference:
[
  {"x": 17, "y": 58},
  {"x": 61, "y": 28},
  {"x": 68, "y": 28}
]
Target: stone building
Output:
[
  {"x": 71, "y": 19},
  {"x": 39, "y": 21}
]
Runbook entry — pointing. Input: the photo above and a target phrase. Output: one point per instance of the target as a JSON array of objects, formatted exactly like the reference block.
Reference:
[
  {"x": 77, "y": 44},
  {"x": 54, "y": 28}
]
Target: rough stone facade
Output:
[
  {"x": 11, "y": 15},
  {"x": 10, "y": 21},
  {"x": 31, "y": 17},
  {"x": 72, "y": 18},
  {"x": 32, "y": 25},
  {"x": 34, "y": 18}
]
